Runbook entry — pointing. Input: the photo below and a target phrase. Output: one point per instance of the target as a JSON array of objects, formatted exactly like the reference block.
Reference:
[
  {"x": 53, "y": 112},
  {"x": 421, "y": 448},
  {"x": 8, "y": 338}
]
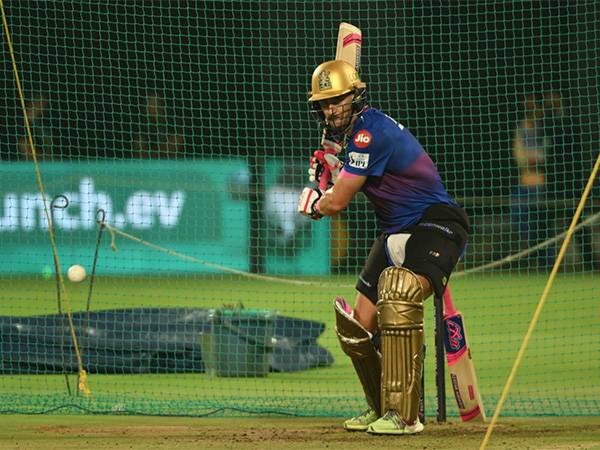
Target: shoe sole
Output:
[
  {"x": 356, "y": 428},
  {"x": 396, "y": 432}
]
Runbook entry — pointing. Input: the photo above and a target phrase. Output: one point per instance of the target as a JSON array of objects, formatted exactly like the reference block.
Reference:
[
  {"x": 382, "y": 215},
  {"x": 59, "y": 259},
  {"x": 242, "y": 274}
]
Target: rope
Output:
[
  {"x": 492, "y": 265},
  {"x": 82, "y": 385},
  {"x": 540, "y": 305}
]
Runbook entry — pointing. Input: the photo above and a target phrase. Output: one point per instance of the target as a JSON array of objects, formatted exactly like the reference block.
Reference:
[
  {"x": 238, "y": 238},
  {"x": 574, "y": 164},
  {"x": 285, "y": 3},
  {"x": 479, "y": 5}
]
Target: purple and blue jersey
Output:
[{"x": 402, "y": 180}]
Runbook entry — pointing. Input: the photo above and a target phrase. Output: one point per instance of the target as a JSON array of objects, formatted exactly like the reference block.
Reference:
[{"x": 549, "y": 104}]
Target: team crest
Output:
[{"x": 324, "y": 81}]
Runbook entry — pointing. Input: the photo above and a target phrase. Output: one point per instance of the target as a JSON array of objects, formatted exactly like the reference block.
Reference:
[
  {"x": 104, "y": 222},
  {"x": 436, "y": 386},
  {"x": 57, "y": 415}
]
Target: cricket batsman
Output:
[{"x": 423, "y": 234}]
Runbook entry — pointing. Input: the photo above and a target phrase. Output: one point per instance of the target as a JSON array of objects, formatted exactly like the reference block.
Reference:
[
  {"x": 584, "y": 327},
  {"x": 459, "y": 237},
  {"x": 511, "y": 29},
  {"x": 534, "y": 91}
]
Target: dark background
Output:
[{"x": 235, "y": 75}]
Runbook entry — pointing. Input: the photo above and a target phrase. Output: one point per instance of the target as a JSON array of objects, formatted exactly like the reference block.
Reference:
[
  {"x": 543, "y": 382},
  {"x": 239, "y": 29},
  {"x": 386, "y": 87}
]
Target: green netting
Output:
[{"x": 187, "y": 123}]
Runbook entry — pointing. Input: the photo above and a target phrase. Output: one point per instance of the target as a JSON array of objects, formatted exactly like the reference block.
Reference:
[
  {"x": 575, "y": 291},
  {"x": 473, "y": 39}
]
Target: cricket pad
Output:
[
  {"x": 356, "y": 343},
  {"x": 400, "y": 316}
]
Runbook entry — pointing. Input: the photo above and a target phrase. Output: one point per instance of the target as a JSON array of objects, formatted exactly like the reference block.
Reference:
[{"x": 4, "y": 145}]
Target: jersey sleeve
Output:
[{"x": 367, "y": 153}]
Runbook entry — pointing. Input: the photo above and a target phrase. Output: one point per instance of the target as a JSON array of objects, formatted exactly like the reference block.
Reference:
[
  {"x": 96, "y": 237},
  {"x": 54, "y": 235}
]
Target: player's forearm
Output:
[
  {"x": 328, "y": 205},
  {"x": 339, "y": 197}
]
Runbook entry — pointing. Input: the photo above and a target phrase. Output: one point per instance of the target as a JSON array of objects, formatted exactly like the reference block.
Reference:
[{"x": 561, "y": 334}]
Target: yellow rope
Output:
[
  {"x": 540, "y": 305},
  {"x": 82, "y": 385}
]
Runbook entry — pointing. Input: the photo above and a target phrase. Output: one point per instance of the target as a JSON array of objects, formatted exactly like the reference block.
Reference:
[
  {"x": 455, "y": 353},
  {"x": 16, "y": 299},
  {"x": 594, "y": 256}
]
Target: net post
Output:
[
  {"x": 440, "y": 371},
  {"x": 422, "y": 399}
]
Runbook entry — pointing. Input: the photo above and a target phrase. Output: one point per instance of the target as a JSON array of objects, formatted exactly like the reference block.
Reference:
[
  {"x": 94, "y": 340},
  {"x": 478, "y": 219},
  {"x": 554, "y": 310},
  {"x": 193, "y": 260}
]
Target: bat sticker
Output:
[
  {"x": 454, "y": 338},
  {"x": 353, "y": 38}
]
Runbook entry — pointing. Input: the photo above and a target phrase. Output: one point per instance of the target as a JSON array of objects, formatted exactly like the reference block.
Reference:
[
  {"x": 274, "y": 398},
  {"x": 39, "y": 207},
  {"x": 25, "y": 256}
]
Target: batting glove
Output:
[
  {"x": 308, "y": 201},
  {"x": 321, "y": 162}
]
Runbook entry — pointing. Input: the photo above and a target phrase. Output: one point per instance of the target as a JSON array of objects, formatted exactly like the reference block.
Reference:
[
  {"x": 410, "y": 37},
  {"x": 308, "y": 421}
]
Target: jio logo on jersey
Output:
[{"x": 362, "y": 139}]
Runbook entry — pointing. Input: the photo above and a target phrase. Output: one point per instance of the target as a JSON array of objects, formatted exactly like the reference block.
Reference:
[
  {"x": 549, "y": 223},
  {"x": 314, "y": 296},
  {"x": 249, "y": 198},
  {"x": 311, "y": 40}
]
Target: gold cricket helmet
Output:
[{"x": 333, "y": 78}]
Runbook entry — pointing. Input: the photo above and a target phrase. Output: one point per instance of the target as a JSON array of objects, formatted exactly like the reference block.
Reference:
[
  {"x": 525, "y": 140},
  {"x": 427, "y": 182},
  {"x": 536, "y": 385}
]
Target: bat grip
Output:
[
  {"x": 324, "y": 178},
  {"x": 326, "y": 175},
  {"x": 448, "y": 304}
]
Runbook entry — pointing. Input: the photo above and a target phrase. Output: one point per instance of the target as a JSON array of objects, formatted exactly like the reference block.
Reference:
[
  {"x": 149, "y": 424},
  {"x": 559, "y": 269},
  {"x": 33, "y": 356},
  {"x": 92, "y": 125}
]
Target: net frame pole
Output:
[{"x": 440, "y": 368}]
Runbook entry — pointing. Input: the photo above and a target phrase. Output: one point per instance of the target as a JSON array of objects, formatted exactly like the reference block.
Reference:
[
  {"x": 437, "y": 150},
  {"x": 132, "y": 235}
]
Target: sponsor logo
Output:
[
  {"x": 358, "y": 160},
  {"x": 455, "y": 333},
  {"x": 362, "y": 139},
  {"x": 365, "y": 281},
  {"x": 442, "y": 228},
  {"x": 142, "y": 210},
  {"x": 456, "y": 389}
]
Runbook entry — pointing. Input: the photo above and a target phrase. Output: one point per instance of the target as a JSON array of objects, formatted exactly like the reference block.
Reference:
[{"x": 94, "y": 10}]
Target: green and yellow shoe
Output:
[
  {"x": 362, "y": 421},
  {"x": 392, "y": 423}
]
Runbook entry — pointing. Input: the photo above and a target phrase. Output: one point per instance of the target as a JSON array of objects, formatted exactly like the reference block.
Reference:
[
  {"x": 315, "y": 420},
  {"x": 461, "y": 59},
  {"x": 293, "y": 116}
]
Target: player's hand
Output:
[
  {"x": 330, "y": 145},
  {"x": 334, "y": 164},
  {"x": 315, "y": 170},
  {"x": 322, "y": 162},
  {"x": 307, "y": 203}
]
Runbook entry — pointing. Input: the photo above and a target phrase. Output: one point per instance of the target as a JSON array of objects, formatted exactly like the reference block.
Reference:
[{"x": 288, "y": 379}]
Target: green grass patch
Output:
[{"x": 559, "y": 374}]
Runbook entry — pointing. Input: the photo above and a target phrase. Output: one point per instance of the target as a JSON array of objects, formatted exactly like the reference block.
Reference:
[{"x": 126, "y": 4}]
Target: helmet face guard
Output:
[{"x": 358, "y": 105}]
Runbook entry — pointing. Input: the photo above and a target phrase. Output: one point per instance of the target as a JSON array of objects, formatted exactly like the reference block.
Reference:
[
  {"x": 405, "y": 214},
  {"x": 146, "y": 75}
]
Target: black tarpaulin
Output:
[{"x": 154, "y": 340}]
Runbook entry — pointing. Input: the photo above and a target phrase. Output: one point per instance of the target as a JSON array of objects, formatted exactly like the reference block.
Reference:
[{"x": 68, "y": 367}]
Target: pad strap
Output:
[
  {"x": 400, "y": 317},
  {"x": 356, "y": 343}
]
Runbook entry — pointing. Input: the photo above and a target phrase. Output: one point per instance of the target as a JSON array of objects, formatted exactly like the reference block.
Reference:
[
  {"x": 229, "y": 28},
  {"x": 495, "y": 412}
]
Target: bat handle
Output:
[
  {"x": 448, "y": 304},
  {"x": 324, "y": 178},
  {"x": 326, "y": 175}
]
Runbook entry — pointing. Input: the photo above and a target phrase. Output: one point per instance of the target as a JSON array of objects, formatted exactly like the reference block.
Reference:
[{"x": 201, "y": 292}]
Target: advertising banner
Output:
[{"x": 194, "y": 208}]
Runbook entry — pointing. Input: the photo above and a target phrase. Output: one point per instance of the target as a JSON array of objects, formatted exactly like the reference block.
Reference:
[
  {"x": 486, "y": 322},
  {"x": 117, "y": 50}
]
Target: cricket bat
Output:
[
  {"x": 348, "y": 49},
  {"x": 349, "y": 44},
  {"x": 460, "y": 364}
]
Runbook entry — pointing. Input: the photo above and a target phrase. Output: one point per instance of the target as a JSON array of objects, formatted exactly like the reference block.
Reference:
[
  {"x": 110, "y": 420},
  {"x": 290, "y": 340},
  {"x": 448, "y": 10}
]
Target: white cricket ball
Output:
[{"x": 76, "y": 273}]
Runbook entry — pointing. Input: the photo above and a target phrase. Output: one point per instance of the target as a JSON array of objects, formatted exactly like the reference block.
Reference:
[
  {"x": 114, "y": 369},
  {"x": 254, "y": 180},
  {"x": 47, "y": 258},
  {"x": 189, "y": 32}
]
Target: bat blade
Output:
[
  {"x": 349, "y": 44},
  {"x": 460, "y": 364}
]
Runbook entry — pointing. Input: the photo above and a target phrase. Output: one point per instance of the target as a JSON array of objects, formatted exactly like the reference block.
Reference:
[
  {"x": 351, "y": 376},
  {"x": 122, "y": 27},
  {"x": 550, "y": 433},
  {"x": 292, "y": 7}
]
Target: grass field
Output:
[{"x": 559, "y": 376}]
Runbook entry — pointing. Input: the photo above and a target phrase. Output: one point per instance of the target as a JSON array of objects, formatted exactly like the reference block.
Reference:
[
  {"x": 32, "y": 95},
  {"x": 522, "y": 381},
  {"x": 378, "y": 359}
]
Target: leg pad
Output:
[
  {"x": 356, "y": 343},
  {"x": 400, "y": 318}
]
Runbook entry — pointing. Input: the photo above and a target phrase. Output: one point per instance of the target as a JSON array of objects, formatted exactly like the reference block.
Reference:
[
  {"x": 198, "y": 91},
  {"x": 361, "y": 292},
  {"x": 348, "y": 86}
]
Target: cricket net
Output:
[{"x": 187, "y": 126}]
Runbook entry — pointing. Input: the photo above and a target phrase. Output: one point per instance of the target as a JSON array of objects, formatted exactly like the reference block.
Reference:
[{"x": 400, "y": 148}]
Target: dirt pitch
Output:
[{"x": 126, "y": 432}]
